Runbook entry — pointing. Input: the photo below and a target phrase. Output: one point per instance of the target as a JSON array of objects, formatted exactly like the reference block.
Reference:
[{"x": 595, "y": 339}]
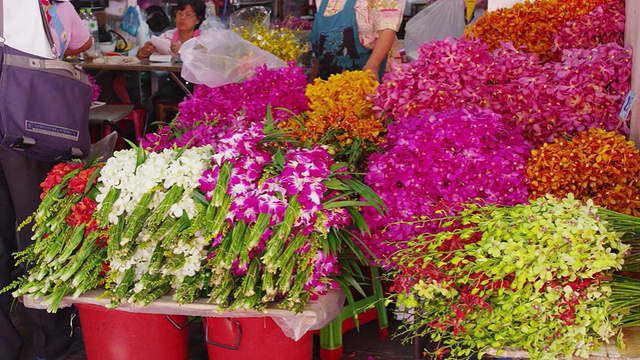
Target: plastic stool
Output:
[
  {"x": 331, "y": 335},
  {"x": 113, "y": 117}
]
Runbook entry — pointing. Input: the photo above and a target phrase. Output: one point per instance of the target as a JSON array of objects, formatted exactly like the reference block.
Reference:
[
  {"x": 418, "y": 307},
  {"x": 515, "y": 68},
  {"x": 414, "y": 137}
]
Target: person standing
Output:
[
  {"x": 354, "y": 35},
  {"x": 20, "y": 177}
]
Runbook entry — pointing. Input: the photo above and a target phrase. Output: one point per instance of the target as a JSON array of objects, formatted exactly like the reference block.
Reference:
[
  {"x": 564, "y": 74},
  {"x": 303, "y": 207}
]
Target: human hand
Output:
[
  {"x": 146, "y": 50},
  {"x": 175, "y": 46},
  {"x": 373, "y": 68}
]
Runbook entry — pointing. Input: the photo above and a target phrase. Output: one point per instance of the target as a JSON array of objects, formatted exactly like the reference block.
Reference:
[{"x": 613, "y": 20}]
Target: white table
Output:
[{"x": 315, "y": 315}]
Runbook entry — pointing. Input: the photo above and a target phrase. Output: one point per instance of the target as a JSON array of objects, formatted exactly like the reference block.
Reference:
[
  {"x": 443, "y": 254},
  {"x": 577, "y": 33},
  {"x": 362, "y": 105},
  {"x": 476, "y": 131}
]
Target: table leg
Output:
[{"x": 182, "y": 85}]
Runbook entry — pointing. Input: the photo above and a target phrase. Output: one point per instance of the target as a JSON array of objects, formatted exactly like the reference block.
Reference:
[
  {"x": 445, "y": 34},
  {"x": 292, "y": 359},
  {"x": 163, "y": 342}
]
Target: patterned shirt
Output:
[{"x": 371, "y": 16}]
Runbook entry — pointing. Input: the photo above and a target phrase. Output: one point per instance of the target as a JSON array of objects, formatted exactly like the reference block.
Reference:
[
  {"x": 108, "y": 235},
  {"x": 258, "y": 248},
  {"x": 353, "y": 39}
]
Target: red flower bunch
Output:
[
  {"x": 78, "y": 183},
  {"x": 56, "y": 175}
]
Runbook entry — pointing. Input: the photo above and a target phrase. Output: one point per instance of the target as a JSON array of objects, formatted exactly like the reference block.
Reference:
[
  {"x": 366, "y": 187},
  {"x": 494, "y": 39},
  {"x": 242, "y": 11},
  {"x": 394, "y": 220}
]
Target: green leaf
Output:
[
  {"x": 366, "y": 192},
  {"x": 335, "y": 184},
  {"x": 359, "y": 221},
  {"x": 344, "y": 204}
]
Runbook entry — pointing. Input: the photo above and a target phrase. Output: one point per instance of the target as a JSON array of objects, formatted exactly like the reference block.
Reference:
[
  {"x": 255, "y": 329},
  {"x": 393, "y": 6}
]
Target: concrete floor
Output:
[{"x": 358, "y": 345}]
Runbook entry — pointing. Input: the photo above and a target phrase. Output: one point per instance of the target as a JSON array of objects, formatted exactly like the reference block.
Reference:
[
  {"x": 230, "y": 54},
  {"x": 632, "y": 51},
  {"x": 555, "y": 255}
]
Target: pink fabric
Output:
[
  {"x": 175, "y": 35},
  {"x": 371, "y": 16},
  {"x": 75, "y": 33}
]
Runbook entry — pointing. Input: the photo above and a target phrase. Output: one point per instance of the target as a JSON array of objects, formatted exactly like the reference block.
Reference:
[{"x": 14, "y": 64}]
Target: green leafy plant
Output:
[{"x": 524, "y": 276}]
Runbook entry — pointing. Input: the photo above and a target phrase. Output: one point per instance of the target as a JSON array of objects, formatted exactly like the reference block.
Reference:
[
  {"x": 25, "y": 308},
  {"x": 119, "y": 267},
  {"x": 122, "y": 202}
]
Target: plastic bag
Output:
[
  {"x": 212, "y": 21},
  {"x": 130, "y": 21},
  {"x": 250, "y": 16},
  {"x": 443, "y": 18},
  {"x": 143, "y": 32},
  {"x": 218, "y": 57}
]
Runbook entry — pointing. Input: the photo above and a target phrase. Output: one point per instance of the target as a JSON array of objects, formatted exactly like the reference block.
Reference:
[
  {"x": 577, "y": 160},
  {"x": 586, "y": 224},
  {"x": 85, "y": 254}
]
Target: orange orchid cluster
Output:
[
  {"x": 340, "y": 115},
  {"x": 595, "y": 164},
  {"x": 530, "y": 24}
]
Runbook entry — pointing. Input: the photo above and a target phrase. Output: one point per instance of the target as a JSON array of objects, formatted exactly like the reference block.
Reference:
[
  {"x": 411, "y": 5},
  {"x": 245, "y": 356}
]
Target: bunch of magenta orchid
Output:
[
  {"x": 583, "y": 90},
  {"x": 437, "y": 161},
  {"x": 211, "y": 113}
]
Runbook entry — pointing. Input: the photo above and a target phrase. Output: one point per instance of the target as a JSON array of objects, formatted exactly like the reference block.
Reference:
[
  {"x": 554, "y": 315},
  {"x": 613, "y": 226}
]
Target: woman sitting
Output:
[{"x": 189, "y": 16}]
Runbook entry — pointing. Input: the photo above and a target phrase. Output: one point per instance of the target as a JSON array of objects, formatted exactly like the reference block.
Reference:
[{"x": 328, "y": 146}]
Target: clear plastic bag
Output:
[
  {"x": 218, "y": 57},
  {"x": 441, "y": 19},
  {"x": 250, "y": 16}
]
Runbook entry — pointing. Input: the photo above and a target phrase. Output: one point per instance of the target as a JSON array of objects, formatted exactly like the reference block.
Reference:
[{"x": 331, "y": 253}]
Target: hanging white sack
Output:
[{"x": 443, "y": 18}]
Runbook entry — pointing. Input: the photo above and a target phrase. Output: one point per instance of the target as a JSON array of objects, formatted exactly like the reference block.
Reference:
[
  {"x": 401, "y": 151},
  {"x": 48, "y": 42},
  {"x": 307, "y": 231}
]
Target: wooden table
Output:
[{"x": 144, "y": 65}]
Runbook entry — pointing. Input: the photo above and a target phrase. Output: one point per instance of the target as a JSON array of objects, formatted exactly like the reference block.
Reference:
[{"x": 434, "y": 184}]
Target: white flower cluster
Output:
[
  {"x": 150, "y": 251},
  {"x": 159, "y": 170},
  {"x": 193, "y": 252}
]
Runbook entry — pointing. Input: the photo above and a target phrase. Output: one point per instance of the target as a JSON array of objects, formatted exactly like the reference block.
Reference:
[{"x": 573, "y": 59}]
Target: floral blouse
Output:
[{"x": 371, "y": 16}]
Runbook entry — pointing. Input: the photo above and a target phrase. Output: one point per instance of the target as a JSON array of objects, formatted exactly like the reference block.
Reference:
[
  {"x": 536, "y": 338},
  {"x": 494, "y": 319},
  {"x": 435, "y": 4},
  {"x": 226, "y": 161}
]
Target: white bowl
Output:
[{"x": 106, "y": 47}]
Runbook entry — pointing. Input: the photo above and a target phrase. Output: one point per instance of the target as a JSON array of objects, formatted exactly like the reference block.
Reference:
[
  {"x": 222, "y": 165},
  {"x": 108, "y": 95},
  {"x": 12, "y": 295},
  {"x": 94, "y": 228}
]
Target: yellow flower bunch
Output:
[
  {"x": 530, "y": 24},
  {"x": 340, "y": 115},
  {"x": 595, "y": 164},
  {"x": 281, "y": 42}
]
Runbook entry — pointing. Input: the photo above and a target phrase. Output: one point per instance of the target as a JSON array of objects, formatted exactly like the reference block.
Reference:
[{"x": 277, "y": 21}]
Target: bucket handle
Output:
[
  {"x": 233, "y": 347},
  {"x": 178, "y": 326}
]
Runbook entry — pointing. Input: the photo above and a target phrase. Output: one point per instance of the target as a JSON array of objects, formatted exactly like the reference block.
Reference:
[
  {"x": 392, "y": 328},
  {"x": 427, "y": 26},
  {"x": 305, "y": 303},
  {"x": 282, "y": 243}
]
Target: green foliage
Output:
[{"x": 525, "y": 276}]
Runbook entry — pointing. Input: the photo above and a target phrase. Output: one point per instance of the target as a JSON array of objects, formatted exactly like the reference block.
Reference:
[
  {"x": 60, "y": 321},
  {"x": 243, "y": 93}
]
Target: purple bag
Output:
[{"x": 44, "y": 105}]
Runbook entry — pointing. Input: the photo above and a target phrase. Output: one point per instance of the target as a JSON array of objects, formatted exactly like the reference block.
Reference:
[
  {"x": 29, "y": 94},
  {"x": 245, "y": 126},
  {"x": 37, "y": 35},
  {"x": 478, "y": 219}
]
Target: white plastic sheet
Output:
[
  {"x": 443, "y": 18},
  {"x": 218, "y": 57},
  {"x": 316, "y": 315}
]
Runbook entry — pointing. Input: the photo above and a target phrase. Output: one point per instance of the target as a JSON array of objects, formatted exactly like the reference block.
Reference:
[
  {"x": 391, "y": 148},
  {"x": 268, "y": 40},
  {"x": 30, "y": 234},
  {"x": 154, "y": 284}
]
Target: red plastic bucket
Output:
[
  {"x": 111, "y": 334},
  {"x": 253, "y": 338}
]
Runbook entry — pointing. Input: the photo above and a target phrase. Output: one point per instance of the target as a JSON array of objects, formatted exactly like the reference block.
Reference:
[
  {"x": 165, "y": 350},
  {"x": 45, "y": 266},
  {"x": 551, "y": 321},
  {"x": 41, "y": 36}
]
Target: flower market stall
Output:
[{"x": 492, "y": 179}]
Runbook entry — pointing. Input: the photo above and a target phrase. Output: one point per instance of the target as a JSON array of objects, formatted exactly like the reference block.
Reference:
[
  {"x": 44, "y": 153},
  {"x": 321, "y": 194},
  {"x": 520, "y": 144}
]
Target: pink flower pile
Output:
[
  {"x": 213, "y": 112},
  {"x": 301, "y": 178},
  {"x": 438, "y": 161},
  {"x": 583, "y": 90}
]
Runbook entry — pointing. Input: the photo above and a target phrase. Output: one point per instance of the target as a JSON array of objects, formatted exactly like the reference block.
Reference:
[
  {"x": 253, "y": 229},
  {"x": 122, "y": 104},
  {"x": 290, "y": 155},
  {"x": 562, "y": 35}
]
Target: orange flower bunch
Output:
[
  {"x": 530, "y": 24},
  {"x": 595, "y": 164},
  {"x": 340, "y": 115}
]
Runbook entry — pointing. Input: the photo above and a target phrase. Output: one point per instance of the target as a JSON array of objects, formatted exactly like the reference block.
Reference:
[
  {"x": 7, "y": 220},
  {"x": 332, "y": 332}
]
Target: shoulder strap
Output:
[
  {"x": 47, "y": 30},
  {"x": 1, "y": 23}
]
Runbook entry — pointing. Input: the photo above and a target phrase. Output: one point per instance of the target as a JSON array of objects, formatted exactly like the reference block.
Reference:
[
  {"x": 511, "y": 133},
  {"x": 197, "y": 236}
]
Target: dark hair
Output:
[
  {"x": 156, "y": 19},
  {"x": 198, "y": 6}
]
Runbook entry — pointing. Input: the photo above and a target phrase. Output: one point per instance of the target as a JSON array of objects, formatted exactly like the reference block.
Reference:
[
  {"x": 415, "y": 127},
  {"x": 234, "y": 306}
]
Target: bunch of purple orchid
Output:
[
  {"x": 584, "y": 89},
  {"x": 435, "y": 162},
  {"x": 210, "y": 113}
]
